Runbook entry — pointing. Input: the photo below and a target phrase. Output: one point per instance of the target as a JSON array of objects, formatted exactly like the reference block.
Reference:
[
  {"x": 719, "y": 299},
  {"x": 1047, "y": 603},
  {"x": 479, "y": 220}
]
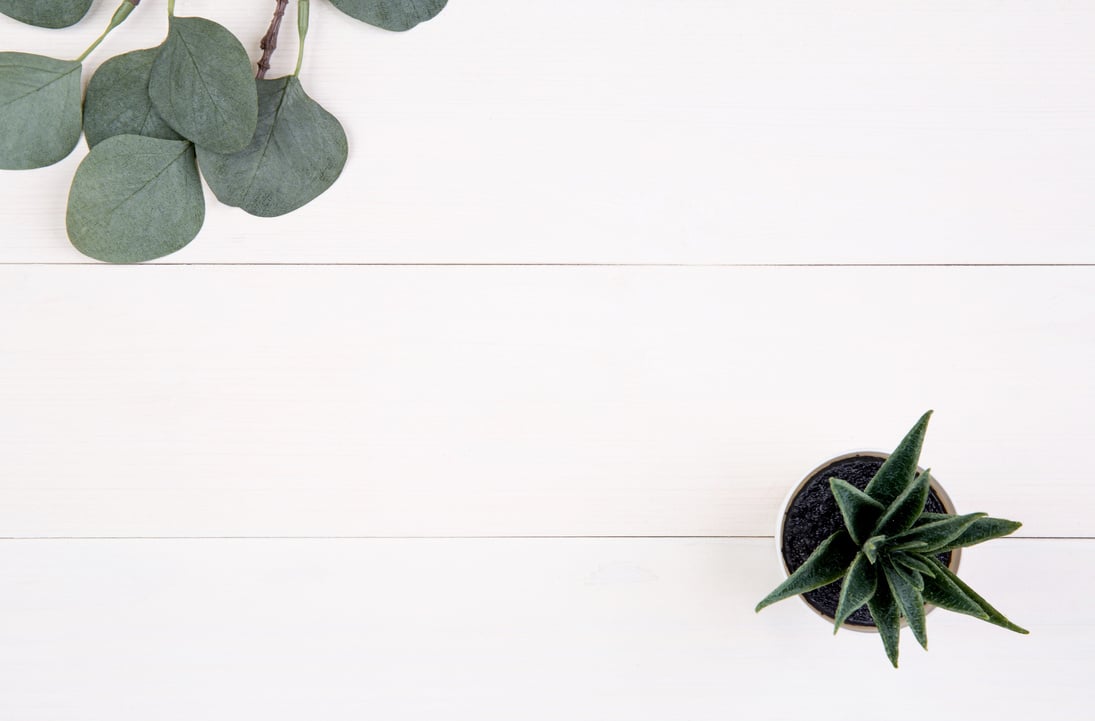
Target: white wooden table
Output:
[{"x": 497, "y": 428}]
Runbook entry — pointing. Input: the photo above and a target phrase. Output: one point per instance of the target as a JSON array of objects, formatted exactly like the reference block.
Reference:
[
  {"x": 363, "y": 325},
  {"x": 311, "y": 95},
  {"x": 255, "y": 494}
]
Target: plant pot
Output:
[{"x": 809, "y": 515}]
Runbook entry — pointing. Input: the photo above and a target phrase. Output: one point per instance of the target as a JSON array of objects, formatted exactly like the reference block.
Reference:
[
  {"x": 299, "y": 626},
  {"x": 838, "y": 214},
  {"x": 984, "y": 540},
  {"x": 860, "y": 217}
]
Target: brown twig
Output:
[{"x": 270, "y": 40}]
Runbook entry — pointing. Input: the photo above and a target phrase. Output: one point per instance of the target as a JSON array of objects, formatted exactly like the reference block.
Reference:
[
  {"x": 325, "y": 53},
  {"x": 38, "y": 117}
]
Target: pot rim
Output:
[{"x": 944, "y": 498}]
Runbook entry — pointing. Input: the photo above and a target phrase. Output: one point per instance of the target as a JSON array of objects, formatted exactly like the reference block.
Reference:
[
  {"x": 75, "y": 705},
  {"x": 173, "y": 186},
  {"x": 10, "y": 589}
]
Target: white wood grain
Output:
[
  {"x": 691, "y": 131},
  {"x": 193, "y": 401},
  {"x": 503, "y": 629}
]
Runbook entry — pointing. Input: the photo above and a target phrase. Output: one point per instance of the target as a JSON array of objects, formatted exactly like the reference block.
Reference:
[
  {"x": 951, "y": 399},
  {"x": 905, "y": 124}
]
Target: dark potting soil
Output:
[{"x": 812, "y": 516}]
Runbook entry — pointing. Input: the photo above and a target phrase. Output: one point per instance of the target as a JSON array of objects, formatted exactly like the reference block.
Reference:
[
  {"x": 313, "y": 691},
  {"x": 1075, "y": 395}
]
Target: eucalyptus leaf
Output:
[
  {"x": 46, "y": 13},
  {"x": 39, "y": 110},
  {"x": 201, "y": 85},
  {"x": 298, "y": 151},
  {"x": 391, "y": 14},
  {"x": 135, "y": 199},
  {"x": 117, "y": 101}
]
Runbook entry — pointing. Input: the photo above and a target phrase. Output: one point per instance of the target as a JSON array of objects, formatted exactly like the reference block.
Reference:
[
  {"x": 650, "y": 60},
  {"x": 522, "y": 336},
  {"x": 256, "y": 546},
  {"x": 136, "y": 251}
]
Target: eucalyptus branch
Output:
[
  {"x": 117, "y": 19},
  {"x": 269, "y": 41},
  {"x": 302, "y": 31}
]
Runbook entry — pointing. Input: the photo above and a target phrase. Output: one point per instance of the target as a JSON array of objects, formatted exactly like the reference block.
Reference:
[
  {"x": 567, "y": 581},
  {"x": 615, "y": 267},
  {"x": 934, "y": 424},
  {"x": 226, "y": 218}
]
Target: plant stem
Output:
[
  {"x": 119, "y": 17},
  {"x": 269, "y": 41},
  {"x": 302, "y": 31}
]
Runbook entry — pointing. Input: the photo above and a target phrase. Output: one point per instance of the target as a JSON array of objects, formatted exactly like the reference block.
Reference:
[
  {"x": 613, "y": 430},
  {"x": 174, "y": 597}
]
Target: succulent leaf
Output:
[
  {"x": 937, "y": 534},
  {"x": 943, "y": 592},
  {"x": 909, "y": 600},
  {"x": 828, "y": 562},
  {"x": 873, "y": 546},
  {"x": 913, "y": 563},
  {"x": 994, "y": 617},
  {"x": 912, "y": 576},
  {"x": 900, "y": 468},
  {"x": 860, "y": 511},
  {"x": 887, "y": 619},
  {"x": 929, "y": 517},
  {"x": 858, "y": 587},
  {"x": 983, "y": 529},
  {"x": 905, "y": 509},
  {"x": 888, "y": 552}
]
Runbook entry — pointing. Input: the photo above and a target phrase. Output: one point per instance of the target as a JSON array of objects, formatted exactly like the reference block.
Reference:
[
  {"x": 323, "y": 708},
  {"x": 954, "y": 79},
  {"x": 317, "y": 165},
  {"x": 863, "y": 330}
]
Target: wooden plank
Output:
[
  {"x": 236, "y": 401},
  {"x": 692, "y": 131},
  {"x": 502, "y": 629}
]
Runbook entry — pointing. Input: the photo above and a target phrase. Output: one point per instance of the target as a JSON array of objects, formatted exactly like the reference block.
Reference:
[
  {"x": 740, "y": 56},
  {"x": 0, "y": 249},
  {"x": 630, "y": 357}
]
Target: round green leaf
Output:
[
  {"x": 201, "y": 85},
  {"x": 135, "y": 199},
  {"x": 46, "y": 13},
  {"x": 39, "y": 110},
  {"x": 298, "y": 151},
  {"x": 117, "y": 101},
  {"x": 391, "y": 14}
]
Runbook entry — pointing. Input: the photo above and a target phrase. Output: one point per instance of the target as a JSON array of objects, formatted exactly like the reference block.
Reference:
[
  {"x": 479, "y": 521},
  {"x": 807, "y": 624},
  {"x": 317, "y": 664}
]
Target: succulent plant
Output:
[{"x": 888, "y": 553}]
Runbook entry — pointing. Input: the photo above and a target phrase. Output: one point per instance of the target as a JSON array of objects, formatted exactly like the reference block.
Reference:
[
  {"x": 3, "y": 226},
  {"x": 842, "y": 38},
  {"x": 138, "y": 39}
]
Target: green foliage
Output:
[
  {"x": 135, "y": 198},
  {"x": 39, "y": 110},
  {"x": 297, "y": 152},
  {"x": 888, "y": 553},
  {"x": 46, "y": 13},
  {"x": 151, "y": 116},
  {"x": 201, "y": 85},
  {"x": 395, "y": 15},
  {"x": 117, "y": 101}
]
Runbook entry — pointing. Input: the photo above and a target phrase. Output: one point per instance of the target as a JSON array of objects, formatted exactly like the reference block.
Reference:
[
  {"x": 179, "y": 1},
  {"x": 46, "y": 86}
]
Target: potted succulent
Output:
[{"x": 871, "y": 540}]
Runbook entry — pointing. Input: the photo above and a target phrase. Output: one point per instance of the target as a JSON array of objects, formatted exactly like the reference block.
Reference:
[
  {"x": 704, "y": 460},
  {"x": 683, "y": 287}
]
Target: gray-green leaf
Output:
[
  {"x": 39, "y": 110},
  {"x": 117, "y": 101},
  {"x": 201, "y": 85},
  {"x": 135, "y": 199},
  {"x": 298, "y": 151},
  {"x": 46, "y": 13},
  {"x": 391, "y": 14}
]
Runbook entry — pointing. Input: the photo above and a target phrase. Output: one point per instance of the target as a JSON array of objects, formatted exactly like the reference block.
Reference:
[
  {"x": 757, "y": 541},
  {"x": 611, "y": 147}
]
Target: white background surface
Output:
[{"x": 532, "y": 306}]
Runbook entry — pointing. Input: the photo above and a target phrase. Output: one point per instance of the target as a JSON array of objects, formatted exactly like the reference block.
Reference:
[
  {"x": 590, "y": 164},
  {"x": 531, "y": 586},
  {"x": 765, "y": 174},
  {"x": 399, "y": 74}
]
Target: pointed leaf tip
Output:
[
  {"x": 828, "y": 562},
  {"x": 899, "y": 470},
  {"x": 860, "y": 511}
]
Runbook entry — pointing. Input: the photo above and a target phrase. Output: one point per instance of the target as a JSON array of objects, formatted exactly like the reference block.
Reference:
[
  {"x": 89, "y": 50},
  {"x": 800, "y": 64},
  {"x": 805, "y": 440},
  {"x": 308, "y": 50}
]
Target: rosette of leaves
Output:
[
  {"x": 887, "y": 556},
  {"x": 157, "y": 120}
]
